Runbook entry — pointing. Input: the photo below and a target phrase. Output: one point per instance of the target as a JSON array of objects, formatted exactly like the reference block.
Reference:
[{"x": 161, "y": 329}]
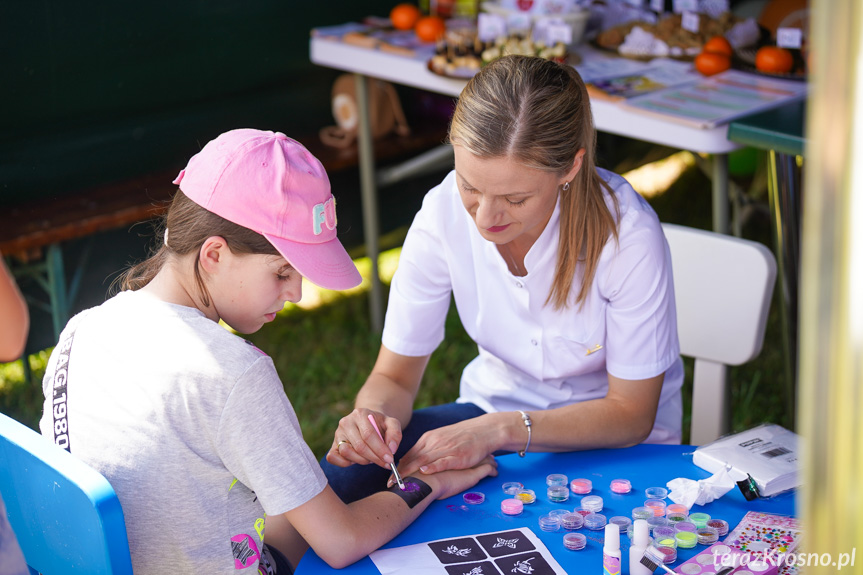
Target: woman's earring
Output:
[{"x": 565, "y": 186}]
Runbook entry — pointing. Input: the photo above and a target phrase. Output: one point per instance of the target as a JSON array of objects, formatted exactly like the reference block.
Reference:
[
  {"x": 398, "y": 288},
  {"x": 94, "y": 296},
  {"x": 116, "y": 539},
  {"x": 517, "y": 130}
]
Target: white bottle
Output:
[
  {"x": 640, "y": 541},
  {"x": 611, "y": 550}
]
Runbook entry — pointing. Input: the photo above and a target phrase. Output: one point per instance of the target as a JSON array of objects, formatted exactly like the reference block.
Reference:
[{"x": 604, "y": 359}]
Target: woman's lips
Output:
[
  {"x": 270, "y": 316},
  {"x": 496, "y": 229}
]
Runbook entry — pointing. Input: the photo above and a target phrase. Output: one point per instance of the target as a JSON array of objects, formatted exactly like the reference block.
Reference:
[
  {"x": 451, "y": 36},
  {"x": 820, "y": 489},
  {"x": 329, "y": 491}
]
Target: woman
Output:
[{"x": 560, "y": 273}]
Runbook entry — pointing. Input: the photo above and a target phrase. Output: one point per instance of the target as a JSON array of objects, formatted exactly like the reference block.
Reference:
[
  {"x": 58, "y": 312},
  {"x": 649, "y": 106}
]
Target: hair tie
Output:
[{"x": 165, "y": 241}]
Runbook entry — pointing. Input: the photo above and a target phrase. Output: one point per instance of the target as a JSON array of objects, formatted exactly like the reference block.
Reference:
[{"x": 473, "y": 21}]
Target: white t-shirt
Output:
[
  {"x": 532, "y": 356},
  {"x": 191, "y": 426}
]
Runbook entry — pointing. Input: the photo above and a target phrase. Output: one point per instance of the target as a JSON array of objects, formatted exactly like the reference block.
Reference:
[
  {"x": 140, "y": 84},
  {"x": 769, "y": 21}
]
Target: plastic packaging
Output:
[
  {"x": 512, "y": 487},
  {"x": 656, "y": 492},
  {"x": 572, "y": 521},
  {"x": 473, "y": 497},
  {"x": 621, "y": 521},
  {"x": 676, "y": 517},
  {"x": 657, "y": 506},
  {"x": 621, "y": 486},
  {"x": 526, "y": 496},
  {"x": 558, "y": 493},
  {"x": 595, "y": 521},
  {"x": 707, "y": 535},
  {"x": 574, "y": 541},
  {"x": 511, "y": 506},
  {"x": 549, "y": 523},
  {"x": 640, "y": 541},
  {"x": 686, "y": 539},
  {"x": 556, "y": 479},
  {"x": 611, "y": 551},
  {"x": 581, "y": 486},
  {"x": 592, "y": 502},
  {"x": 642, "y": 513},
  {"x": 699, "y": 519},
  {"x": 721, "y": 526}
]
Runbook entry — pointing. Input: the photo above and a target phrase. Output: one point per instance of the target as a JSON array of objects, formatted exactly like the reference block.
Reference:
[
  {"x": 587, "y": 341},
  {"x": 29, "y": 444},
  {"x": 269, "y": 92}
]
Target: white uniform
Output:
[{"x": 532, "y": 356}]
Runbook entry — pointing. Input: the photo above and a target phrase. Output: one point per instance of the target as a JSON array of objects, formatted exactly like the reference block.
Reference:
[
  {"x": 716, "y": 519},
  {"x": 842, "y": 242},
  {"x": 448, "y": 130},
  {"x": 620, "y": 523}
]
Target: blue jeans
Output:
[{"x": 359, "y": 481}]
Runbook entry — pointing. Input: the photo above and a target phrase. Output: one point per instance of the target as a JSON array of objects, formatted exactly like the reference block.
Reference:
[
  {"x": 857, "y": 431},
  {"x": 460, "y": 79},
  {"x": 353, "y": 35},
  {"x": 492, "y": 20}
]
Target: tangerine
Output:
[
  {"x": 404, "y": 16},
  {"x": 430, "y": 28},
  {"x": 710, "y": 63},
  {"x": 774, "y": 60},
  {"x": 719, "y": 44}
]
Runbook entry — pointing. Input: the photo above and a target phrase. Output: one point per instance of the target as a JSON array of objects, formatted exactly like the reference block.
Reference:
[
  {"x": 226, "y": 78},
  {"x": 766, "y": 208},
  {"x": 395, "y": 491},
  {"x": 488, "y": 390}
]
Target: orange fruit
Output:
[
  {"x": 405, "y": 16},
  {"x": 774, "y": 60},
  {"x": 430, "y": 28},
  {"x": 720, "y": 45},
  {"x": 710, "y": 63}
]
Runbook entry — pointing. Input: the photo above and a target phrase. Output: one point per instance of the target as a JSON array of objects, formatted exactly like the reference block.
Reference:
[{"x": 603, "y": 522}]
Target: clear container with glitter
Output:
[
  {"x": 721, "y": 526},
  {"x": 642, "y": 513},
  {"x": 666, "y": 548},
  {"x": 558, "y": 493},
  {"x": 621, "y": 486},
  {"x": 511, "y": 506},
  {"x": 549, "y": 523},
  {"x": 656, "y": 492},
  {"x": 559, "y": 512},
  {"x": 556, "y": 479},
  {"x": 572, "y": 521},
  {"x": 675, "y": 517},
  {"x": 622, "y": 522},
  {"x": 592, "y": 503},
  {"x": 699, "y": 519},
  {"x": 574, "y": 541},
  {"x": 526, "y": 496},
  {"x": 663, "y": 532},
  {"x": 595, "y": 521},
  {"x": 677, "y": 508},
  {"x": 685, "y": 539},
  {"x": 581, "y": 486},
  {"x": 707, "y": 535},
  {"x": 582, "y": 511},
  {"x": 685, "y": 526},
  {"x": 657, "y": 506},
  {"x": 654, "y": 522},
  {"x": 512, "y": 487},
  {"x": 473, "y": 497}
]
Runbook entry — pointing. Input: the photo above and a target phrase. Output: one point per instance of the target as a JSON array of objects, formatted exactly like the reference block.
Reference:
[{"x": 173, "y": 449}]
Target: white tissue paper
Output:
[{"x": 690, "y": 492}]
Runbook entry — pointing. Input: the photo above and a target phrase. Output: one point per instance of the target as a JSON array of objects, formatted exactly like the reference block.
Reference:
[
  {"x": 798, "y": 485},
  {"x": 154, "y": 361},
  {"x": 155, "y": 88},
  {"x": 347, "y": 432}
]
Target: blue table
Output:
[{"x": 644, "y": 465}]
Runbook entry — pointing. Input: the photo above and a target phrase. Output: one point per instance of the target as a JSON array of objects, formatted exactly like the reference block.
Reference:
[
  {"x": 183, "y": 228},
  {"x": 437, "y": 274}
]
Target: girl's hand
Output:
[
  {"x": 458, "y": 446},
  {"x": 455, "y": 481},
  {"x": 356, "y": 440}
]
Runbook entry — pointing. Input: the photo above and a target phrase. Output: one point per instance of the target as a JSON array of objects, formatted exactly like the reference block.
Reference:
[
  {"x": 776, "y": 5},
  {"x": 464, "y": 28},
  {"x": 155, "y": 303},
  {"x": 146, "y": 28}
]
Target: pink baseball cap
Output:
[{"x": 271, "y": 184}]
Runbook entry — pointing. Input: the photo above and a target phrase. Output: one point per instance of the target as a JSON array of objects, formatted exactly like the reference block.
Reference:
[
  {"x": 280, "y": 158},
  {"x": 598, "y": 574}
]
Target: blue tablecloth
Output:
[{"x": 643, "y": 465}]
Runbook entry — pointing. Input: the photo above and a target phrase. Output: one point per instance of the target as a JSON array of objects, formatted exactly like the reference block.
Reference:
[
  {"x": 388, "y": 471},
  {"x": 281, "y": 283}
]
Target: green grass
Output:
[{"x": 323, "y": 355}]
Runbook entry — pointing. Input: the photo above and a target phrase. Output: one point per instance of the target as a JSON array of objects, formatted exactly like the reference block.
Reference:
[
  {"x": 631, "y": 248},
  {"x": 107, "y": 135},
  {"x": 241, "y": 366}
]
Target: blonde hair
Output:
[
  {"x": 537, "y": 112},
  {"x": 190, "y": 225}
]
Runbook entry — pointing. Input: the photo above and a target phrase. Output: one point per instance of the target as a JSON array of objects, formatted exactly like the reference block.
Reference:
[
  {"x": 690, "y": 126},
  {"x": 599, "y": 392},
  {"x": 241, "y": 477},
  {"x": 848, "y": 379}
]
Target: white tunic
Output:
[{"x": 531, "y": 355}]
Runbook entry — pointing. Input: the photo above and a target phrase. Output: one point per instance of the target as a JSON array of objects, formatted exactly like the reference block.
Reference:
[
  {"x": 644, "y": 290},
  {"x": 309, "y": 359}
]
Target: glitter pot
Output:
[
  {"x": 473, "y": 497},
  {"x": 721, "y": 526},
  {"x": 686, "y": 539},
  {"x": 677, "y": 508},
  {"x": 526, "y": 496},
  {"x": 699, "y": 519},
  {"x": 656, "y": 492},
  {"x": 657, "y": 506},
  {"x": 655, "y": 522},
  {"x": 707, "y": 535},
  {"x": 592, "y": 502},
  {"x": 559, "y": 512},
  {"x": 512, "y": 487},
  {"x": 572, "y": 521},
  {"x": 549, "y": 523},
  {"x": 685, "y": 526},
  {"x": 511, "y": 506},
  {"x": 668, "y": 552},
  {"x": 663, "y": 532},
  {"x": 622, "y": 522},
  {"x": 581, "y": 486},
  {"x": 574, "y": 541},
  {"x": 595, "y": 521},
  {"x": 582, "y": 511},
  {"x": 621, "y": 486},
  {"x": 642, "y": 513},
  {"x": 676, "y": 516},
  {"x": 558, "y": 493},
  {"x": 556, "y": 479}
]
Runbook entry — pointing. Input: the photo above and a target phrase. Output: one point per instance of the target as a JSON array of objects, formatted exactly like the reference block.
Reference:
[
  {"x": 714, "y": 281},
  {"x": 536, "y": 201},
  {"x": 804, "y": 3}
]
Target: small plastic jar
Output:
[
  {"x": 664, "y": 532},
  {"x": 656, "y": 492},
  {"x": 622, "y": 522},
  {"x": 558, "y": 493},
  {"x": 655, "y": 522},
  {"x": 556, "y": 479},
  {"x": 595, "y": 521},
  {"x": 572, "y": 521},
  {"x": 685, "y": 526},
  {"x": 642, "y": 513},
  {"x": 512, "y": 487},
  {"x": 621, "y": 486},
  {"x": 574, "y": 541},
  {"x": 666, "y": 548},
  {"x": 677, "y": 508},
  {"x": 707, "y": 535},
  {"x": 559, "y": 512},
  {"x": 699, "y": 519},
  {"x": 686, "y": 539},
  {"x": 474, "y": 497},
  {"x": 657, "y": 506},
  {"x": 526, "y": 496},
  {"x": 581, "y": 486},
  {"x": 675, "y": 516},
  {"x": 721, "y": 526},
  {"x": 550, "y": 523},
  {"x": 582, "y": 511},
  {"x": 511, "y": 506},
  {"x": 592, "y": 503}
]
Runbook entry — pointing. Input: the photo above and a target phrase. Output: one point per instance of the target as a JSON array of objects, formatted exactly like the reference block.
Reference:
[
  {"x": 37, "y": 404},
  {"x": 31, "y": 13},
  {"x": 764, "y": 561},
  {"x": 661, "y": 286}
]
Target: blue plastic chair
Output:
[{"x": 65, "y": 514}]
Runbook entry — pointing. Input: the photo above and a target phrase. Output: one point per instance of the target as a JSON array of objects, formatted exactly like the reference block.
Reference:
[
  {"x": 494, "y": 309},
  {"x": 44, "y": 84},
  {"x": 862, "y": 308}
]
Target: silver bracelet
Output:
[{"x": 527, "y": 423}]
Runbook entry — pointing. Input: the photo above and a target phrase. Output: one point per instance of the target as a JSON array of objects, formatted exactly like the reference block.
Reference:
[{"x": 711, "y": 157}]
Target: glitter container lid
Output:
[
  {"x": 622, "y": 522},
  {"x": 526, "y": 496},
  {"x": 560, "y": 512},
  {"x": 574, "y": 541},
  {"x": 656, "y": 505},
  {"x": 654, "y": 522},
  {"x": 549, "y": 523},
  {"x": 572, "y": 521},
  {"x": 699, "y": 519},
  {"x": 592, "y": 502},
  {"x": 474, "y": 497},
  {"x": 642, "y": 513},
  {"x": 582, "y": 511},
  {"x": 675, "y": 516},
  {"x": 656, "y": 492},
  {"x": 677, "y": 508},
  {"x": 707, "y": 535},
  {"x": 663, "y": 532},
  {"x": 621, "y": 486},
  {"x": 512, "y": 487},
  {"x": 595, "y": 521},
  {"x": 511, "y": 506},
  {"x": 686, "y": 539},
  {"x": 685, "y": 526},
  {"x": 666, "y": 550},
  {"x": 721, "y": 526},
  {"x": 556, "y": 479},
  {"x": 558, "y": 493},
  {"x": 581, "y": 486}
]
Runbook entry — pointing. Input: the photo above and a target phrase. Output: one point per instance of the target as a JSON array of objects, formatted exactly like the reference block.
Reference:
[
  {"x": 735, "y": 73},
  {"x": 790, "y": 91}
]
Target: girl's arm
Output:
[{"x": 16, "y": 319}]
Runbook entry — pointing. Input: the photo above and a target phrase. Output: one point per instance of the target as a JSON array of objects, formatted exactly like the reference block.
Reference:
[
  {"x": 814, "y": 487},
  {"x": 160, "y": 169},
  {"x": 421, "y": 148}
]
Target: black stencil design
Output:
[
  {"x": 505, "y": 543},
  {"x": 457, "y": 550},
  {"x": 483, "y": 568},
  {"x": 524, "y": 564}
]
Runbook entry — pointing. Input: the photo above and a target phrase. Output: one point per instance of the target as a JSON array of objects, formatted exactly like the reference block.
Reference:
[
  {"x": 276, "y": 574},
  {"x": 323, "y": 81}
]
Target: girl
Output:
[{"x": 188, "y": 422}]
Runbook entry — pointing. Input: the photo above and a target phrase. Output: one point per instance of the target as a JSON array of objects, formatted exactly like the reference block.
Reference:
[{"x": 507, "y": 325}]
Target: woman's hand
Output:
[
  {"x": 455, "y": 481},
  {"x": 356, "y": 440}
]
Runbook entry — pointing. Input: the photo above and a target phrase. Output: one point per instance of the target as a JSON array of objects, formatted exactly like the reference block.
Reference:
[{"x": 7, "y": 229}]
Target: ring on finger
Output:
[{"x": 339, "y": 444}]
